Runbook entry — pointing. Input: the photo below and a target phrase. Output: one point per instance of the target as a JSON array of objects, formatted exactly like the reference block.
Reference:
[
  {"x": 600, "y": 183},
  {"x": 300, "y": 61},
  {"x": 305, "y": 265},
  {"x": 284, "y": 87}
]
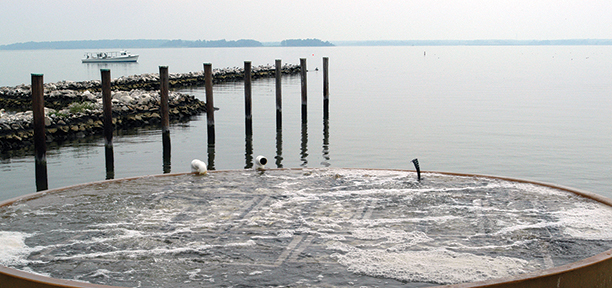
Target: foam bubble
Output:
[{"x": 14, "y": 250}]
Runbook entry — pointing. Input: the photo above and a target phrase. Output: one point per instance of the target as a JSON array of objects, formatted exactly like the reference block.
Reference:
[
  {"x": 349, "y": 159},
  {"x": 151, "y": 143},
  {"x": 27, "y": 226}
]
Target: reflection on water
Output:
[
  {"x": 166, "y": 152},
  {"x": 304, "y": 146},
  {"x": 109, "y": 157},
  {"x": 326, "y": 157},
  {"x": 279, "y": 148},
  {"x": 211, "y": 156},
  {"x": 248, "y": 151},
  {"x": 124, "y": 68}
]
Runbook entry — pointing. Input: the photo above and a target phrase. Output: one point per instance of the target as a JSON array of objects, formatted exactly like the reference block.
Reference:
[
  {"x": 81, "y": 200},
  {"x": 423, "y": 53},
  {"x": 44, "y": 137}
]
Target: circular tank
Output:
[{"x": 307, "y": 227}]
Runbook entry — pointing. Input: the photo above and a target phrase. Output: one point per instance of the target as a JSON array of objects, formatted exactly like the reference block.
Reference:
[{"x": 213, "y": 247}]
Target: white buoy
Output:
[
  {"x": 198, "y": 166},
  {"x": 261, "y": 162}
]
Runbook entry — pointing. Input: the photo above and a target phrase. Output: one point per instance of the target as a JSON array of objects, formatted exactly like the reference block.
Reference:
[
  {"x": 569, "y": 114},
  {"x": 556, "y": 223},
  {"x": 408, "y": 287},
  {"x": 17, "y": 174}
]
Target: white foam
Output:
[
  {"x": 193, "y": 274},
  {"x": 392, "y": 236},
  {"x": 248, "y": 243},
  {"x": 13, "y": 249},
  {"x": 438, "y": 266},
  {"x": 589, "y": 221}
]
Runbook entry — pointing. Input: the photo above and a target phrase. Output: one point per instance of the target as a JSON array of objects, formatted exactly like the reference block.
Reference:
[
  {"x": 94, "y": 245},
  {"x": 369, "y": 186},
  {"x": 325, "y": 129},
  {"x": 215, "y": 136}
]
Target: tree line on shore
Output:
[{"x": 146, "y": 43}]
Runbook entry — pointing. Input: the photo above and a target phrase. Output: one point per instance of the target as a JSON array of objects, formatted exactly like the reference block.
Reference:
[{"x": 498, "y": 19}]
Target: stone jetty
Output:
[
  {"x": 74, "y": 109},
  {"x": 135, "y": 108}
]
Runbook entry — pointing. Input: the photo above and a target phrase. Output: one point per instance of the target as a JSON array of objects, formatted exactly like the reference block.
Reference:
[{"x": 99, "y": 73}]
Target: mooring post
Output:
[
  {"x": 325, "y": 87},
  {"x": 107, "y": 107},
  {"x": 164, "y": 84},
  {"x": 304, "y": 90},
  {"x": 108, "y": 123},
  {"x": 248, "y": 117},
  {"x": 163, "y": 91},
  {"x": 210, "y": 108},
  {"x": 279, "y": 96},
  {"x": 40, "y": 144}
]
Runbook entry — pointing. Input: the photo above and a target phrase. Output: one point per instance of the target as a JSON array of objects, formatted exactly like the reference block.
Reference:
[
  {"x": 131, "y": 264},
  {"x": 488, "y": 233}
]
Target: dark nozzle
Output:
[{"x": 415, "y": 161}]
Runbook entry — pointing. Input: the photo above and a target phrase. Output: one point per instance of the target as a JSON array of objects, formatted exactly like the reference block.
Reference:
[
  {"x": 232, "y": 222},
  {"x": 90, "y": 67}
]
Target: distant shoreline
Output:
[
  {"x": 161, "y": 43},
  {"x": 490, "y": 42}
]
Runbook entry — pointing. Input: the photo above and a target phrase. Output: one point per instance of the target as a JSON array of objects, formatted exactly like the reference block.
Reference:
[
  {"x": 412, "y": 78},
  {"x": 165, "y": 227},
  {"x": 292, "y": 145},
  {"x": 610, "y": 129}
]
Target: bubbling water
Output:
[{"x": 307, "y": 227}]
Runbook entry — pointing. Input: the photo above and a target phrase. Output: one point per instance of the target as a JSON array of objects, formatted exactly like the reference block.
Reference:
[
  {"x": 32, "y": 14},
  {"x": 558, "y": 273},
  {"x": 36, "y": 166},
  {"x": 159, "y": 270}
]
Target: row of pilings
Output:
[
  {"x": 108, "y": 122},
  {"x": 74, "y": 109}
]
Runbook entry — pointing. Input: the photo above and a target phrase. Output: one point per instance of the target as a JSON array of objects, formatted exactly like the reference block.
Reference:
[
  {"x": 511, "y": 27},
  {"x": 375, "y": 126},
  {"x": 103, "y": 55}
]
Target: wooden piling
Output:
[
  {"x": 108, "y": 123},
  {"x": 40, "y": 144},
  {"x": 164, "y": 84},
  {"x": 210, "y": 108},
  {"x": 279, "y": 96},
  {"x": 325, "y": 87},
  {"x": 304, "y": 89},
  {"x": 107, "y": 107},
  {"x": 163, "y": 90},
  {"x": 248, "y": 117}
]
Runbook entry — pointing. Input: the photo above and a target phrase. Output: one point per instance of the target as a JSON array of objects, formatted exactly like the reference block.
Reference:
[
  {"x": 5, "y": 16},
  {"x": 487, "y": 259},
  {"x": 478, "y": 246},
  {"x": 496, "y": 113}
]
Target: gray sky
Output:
[{"x": 276, "y": 20}]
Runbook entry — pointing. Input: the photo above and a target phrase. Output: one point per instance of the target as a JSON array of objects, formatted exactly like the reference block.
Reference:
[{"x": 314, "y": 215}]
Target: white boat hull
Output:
[{"x": 131, "y": 58}]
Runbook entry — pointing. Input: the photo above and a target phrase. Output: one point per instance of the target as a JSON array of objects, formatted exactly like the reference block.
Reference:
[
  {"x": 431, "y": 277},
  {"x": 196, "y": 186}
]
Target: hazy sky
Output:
[{"x": 275, "y": 20}]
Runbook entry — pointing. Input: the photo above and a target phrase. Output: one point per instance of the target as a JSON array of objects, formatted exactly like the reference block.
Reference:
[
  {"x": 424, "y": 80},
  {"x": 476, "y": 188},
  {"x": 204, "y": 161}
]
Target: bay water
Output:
[{"x": 533, "y": 112}]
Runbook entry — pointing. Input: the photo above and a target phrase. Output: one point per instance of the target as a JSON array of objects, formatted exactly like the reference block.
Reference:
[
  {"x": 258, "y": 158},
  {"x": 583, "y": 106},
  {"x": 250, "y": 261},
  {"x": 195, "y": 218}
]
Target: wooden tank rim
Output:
[{"x": 594, "y": 271}]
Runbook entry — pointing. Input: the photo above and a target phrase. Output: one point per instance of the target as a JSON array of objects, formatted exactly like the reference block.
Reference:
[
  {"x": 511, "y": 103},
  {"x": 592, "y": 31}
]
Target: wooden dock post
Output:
[
  {"x": 108, "y": 123},
  {"x": 210, "y": 108},
  {"x": 164, "y": 84},
  {"x": 279, "y": 115},
  {"x": 303, "y": 70},
  {"x": 279, "y": 96},
  {"x": 40, "y": 144},
  {"x": 107, "y": 107},
  {"x": 325, "y": 87},
  {"x": 163, "y": 91},
  {"x": 248, "y": 117}
]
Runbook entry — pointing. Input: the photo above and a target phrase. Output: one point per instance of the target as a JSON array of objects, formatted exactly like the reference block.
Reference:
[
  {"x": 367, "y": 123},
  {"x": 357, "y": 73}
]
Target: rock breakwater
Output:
[
  {"x": 60, "y": 94},
  {"x": 83, "y": 118}
]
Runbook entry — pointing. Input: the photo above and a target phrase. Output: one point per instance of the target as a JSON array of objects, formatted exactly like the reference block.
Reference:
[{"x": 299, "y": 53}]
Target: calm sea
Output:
[{"x": 533, "y": 112}]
